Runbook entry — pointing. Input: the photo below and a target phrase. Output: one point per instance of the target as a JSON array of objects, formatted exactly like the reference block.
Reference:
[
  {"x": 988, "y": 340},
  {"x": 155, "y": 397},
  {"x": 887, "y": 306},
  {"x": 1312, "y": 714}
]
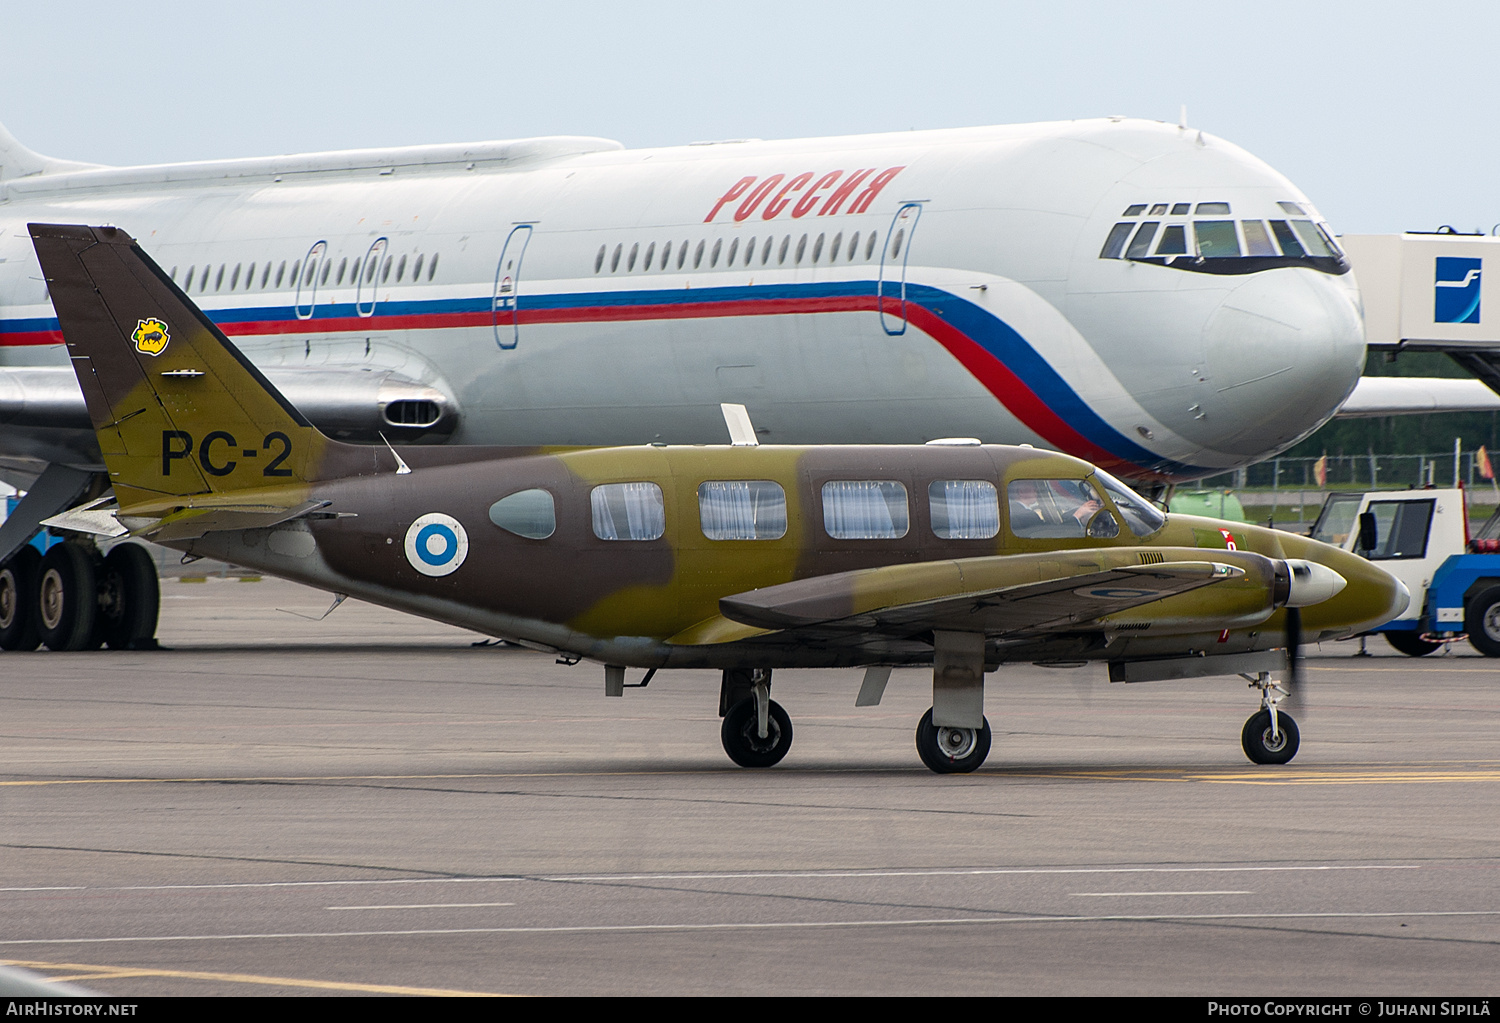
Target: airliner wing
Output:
[{"x": 1399, "y": 396}]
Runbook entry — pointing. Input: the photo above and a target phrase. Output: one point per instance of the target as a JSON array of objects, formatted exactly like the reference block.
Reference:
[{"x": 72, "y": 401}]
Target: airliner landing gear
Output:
[
  {"x": 129, "y": 598},
  {"x": 18, "y": 600},
  {"x": 1270, "y": 737},
  {"x": 756, "y": 732},
  {"x": 948, "y": 750},
  {"x": 68, "y": 599}
]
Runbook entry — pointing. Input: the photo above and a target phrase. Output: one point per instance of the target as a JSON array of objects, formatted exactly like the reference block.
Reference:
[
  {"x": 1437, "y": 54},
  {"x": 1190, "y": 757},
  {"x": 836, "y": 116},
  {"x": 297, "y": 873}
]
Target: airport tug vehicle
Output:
[
  {"x": 743, "y": 558},
  {"x": 1422, "y": 538}
]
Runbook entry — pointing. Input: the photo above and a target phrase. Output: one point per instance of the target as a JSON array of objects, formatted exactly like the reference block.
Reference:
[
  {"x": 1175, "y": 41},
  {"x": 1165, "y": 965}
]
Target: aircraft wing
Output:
[
  {"x": 1398, "y": 396},
  {"x": 999, "y": 595}
]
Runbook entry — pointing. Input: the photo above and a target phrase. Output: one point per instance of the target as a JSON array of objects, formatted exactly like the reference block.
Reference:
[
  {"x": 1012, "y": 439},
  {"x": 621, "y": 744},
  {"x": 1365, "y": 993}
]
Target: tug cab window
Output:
[
  {"x": 742, "y": 509},
  {"x": 628, "y": 511},
  {"x": 1054, "y": 509}
]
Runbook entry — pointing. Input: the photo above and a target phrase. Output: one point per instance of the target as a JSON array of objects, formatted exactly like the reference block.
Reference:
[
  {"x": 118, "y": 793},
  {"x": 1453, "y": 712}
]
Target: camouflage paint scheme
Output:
[{"x": 206, "y": 457}]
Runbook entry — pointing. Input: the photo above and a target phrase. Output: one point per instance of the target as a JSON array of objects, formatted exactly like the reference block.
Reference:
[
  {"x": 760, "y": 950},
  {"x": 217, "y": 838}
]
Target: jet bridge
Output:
[{"x": 1430, "y": 292}]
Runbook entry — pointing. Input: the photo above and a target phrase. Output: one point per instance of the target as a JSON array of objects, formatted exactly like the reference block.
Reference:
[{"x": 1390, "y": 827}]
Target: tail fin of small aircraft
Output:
[{"x": 178, "y": 410}]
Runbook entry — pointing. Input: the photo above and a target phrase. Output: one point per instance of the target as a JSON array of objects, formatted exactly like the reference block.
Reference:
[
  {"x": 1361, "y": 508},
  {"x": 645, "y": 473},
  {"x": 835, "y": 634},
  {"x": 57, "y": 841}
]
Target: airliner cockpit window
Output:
[{"x": 1225, "y": 246}]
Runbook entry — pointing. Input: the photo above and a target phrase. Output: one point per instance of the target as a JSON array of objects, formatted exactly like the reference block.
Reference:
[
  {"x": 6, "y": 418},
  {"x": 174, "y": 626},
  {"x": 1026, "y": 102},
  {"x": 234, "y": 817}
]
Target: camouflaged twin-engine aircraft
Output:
[{"x": 742, "y": 558}]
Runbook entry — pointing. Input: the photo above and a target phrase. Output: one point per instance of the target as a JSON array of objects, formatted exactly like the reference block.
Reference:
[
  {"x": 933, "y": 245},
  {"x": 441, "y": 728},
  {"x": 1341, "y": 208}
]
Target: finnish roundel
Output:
[{"x": 436, "y": 544}]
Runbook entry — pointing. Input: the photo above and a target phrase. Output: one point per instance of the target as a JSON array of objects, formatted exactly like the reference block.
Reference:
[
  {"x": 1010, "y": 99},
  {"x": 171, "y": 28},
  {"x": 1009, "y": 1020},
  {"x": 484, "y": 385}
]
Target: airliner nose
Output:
[{"x": 1283, "y": 351}]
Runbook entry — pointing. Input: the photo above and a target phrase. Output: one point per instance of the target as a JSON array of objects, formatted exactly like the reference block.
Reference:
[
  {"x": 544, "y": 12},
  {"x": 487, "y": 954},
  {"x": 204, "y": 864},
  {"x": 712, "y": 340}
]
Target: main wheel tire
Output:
[
  {"x": 740, "y": 734},
  {"x": 1411, "y": 643},
  {"x": 68, "y": 599},
  {"x": 1264, "y": 748},
  {"x": 1482, "y": 621},
  {"x": 18, "y": 577},
  {"x": 132, "y": 598},
  {"x": 952, "y": 750}
]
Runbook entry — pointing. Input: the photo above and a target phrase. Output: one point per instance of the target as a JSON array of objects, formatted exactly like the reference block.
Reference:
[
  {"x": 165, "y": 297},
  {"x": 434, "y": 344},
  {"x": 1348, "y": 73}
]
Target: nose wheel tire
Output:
[
  {"x": 1264, "y": 748},
  {"x": 743, "y": 741},
  {"x": 952, "y": 750},
  {"x": 18, "y": 600},
  {"x": 68, "y": 599}
]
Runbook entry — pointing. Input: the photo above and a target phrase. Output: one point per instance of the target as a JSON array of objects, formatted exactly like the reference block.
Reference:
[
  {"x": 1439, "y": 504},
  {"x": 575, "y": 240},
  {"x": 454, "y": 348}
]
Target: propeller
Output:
[{"x": 1293, "y": 680}]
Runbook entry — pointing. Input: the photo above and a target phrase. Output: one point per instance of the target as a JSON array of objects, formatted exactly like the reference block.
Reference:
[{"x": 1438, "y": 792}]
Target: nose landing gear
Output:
[{"x": 1270, "y": 737}]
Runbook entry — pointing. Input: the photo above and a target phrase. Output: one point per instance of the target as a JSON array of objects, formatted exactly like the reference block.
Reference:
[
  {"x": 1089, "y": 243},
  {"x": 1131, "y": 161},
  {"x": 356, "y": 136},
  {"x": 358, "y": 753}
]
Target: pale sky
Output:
[{"x": 1383, "y": 112}]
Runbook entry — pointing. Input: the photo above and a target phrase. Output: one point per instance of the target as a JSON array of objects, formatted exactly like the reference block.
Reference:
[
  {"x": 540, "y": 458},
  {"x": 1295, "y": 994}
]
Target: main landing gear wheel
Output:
[
  {"x": 952, "y": 750},
  {"x": 1482, "y": 622},
  {"x": 129, "y": 598},
  {"x": 743, "y": 741},
  {"x": 68, "y": 599},
  {"x": 1411, "y": 644},
  {"x": 1264, "y": 747},
  {"x": 18, "y": 600}
]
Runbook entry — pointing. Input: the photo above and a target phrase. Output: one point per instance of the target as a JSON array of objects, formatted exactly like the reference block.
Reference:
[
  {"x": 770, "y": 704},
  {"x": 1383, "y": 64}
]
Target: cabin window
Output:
[
  {"x": 635, "y": 250},
  {"x": 188, "y": 284},
  {"x": 338, "y": 278},
  {"x": 818, "y": 248},
  {"x": 250, "y": 277},
  {"x": 1216, "y": 238},
  {"x": 1211, "y": 209},
  {"x": 964, "y": 509},
  {"x": 385, "y": 271},
  {"x": 742, "y": 510},
  {"x": 666, "y": 255},
  {"x": 234, "y": 278},
  {"x": 786, "y": 244},
  {"x": 219, "y": 280},
  {"x": 749, "y": 251},
  {"x": 853, "y": 246},
  {"x": 734, "y": 248},
  {"x": 528, "y": 513},
  {"x": 1142, "y": 517},
  {"x": 416, "y": 271},
  {"x": 614, "y": 261},
  {"x": 698, "y": 254},
  {"x": 650, "y": 256},
  {"x": 292, "y": 277},
  {"x": 801, "y": 250},
  {"x": 870, "y": 245},
  {"x": 1049, "y": 509},
  {"x": 865, "y": 509},
  {"x": 327, "y": 269},
  {"x": 896, "y": 243},
  {"x": 1182, "y": 209},
  {"x": 713, "y": 260},
  {"x": 432, "y": 267},
  {"x": 173, "y": 274},
  {"x": 401, "y": 269},
  {"x": 765, "y": 252},
  {"x": 833, "y": 250},
  {"x": 682, "y": 251},
  {"x": 628, "y": 511}
]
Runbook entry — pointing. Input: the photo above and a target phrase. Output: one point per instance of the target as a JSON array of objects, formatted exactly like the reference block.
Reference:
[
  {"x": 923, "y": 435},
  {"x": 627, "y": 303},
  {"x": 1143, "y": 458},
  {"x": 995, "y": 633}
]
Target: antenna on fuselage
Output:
[
  {"x": 1182, "y": 117},
  {"x": 741, "y": 430}
]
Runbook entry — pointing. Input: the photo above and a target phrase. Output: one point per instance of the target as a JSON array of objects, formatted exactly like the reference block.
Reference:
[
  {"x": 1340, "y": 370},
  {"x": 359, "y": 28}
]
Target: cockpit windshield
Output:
[
  {"x": 1142, "y": 517},
  {"x": 1223, "y": 246}
]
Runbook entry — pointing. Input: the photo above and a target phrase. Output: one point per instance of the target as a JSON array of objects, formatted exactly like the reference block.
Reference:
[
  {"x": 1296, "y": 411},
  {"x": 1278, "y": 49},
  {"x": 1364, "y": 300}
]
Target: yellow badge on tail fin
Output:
[{"x": 151, "y": 337}]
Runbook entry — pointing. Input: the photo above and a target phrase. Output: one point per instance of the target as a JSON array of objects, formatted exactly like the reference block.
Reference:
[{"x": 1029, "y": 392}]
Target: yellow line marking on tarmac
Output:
[{"x": 120, "y": 972}]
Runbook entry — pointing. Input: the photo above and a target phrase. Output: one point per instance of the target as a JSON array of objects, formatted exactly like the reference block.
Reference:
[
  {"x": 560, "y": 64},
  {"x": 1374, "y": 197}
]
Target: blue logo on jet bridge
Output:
[{"x": 1456, "y": 291}]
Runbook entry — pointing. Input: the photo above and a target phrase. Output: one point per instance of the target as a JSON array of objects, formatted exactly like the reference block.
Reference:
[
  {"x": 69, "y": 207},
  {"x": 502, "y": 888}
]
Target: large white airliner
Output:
[{"x": 1140, "y": 294}]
